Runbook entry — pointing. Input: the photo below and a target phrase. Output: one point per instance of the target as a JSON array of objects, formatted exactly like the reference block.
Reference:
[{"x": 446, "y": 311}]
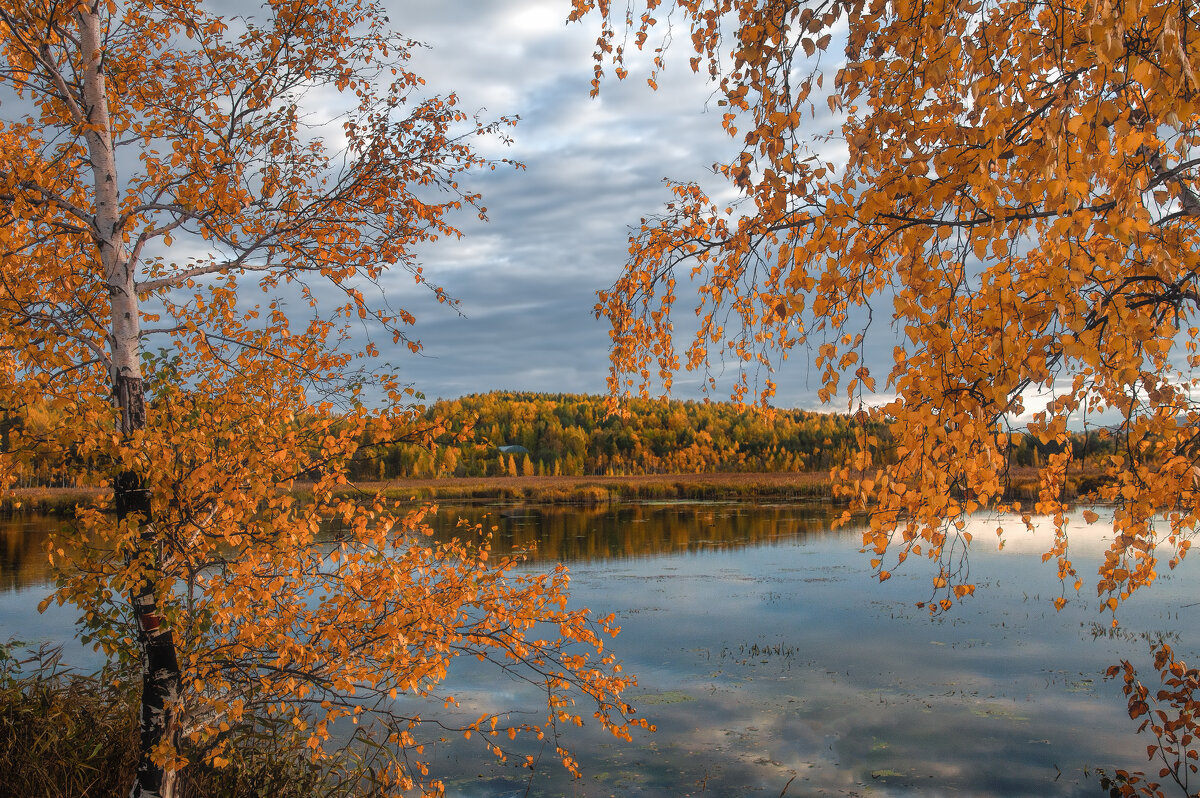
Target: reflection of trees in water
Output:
[
  {"x": 22, "y": 553},
  {"x": 568, "y": 534},
  {"x": 553, "y": 533}
]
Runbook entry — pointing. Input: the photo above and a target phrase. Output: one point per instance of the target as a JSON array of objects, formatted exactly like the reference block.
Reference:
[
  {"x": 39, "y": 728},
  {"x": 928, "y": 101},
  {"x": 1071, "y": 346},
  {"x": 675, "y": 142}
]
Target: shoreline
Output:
[
  {"x": 605, "y": 489},
  {"x": 790, "y": 486}
]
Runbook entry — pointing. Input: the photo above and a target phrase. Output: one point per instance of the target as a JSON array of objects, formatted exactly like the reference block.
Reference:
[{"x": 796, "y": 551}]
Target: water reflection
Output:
[
  {"x": 634, "y": 531},
  {"x": 23, "y": 560},
  {"x": 548, "y": 533},
  {"x": 774, "y": 664}
]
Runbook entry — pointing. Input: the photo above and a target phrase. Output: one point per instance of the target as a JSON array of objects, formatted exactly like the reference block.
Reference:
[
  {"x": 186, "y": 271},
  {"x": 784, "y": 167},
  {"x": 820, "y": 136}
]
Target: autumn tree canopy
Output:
[
  {"x": 1009, "y": 189},
  {"x": 198, "y": 212}
]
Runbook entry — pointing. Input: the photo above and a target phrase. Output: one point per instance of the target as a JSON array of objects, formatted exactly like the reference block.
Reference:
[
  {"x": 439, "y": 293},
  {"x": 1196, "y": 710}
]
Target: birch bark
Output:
[{"x": 160, "y": 674}]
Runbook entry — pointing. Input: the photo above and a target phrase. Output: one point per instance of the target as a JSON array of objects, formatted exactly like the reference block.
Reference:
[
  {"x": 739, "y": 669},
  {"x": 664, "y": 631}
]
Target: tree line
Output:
[
  {"x": 504, "y": 433},
  {"x": 526, "y": 434},
  {"x": 1019, "y": 186}
]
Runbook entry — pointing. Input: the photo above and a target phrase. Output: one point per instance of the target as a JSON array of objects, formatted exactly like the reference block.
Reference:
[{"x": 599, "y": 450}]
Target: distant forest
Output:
[
  {"x": 528, "y": 434},
  {"x": 535, "y": 434}
]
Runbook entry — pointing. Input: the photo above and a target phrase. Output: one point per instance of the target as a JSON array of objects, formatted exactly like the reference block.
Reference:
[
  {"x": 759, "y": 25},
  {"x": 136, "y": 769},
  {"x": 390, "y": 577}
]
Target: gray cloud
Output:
[{"x": 558, "y": 228}]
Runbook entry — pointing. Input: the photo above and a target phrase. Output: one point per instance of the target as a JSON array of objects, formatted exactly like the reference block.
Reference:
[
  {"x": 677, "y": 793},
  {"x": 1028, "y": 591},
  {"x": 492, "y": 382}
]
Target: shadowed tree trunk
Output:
[{"x": 160, "y": 666}]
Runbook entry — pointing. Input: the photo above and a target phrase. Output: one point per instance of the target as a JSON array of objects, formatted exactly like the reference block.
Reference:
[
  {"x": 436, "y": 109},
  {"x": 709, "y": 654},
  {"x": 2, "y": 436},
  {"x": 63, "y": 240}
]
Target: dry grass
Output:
[
  {"x": 65, "y": 734},
  {"x": 598, "y": 490},
  {"x": 49, "y": 500},
  {"x": 1022, "y": 486}
]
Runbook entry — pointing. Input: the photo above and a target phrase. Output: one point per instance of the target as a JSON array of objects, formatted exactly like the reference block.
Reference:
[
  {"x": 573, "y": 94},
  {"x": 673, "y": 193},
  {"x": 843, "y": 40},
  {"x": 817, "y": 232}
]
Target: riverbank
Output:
[
  {"x": 1023, "y": 486},
  {"x": 534, "y": 489},
  {"x": 604, "y": 489},
  {"x": 51, "y": 501},
  {"x": 780, "y": 486}
]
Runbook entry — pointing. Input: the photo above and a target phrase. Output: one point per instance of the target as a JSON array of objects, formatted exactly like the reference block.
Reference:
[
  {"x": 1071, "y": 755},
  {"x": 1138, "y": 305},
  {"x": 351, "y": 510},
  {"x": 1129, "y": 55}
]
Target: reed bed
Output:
[
  {"x": 65, "y": 734},
  {"x": 585, "y": 490},
  {"x": 603, "y": 489}
]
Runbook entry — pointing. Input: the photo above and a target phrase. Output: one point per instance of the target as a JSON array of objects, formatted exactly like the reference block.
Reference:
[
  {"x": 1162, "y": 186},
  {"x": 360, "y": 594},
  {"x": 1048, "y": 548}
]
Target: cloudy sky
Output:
[{"x": 558, "y": 229}]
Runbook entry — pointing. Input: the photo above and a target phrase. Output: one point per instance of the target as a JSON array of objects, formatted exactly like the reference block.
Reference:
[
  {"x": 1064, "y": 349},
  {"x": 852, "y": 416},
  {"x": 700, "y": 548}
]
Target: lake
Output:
[{"x": 774, "y": 664}]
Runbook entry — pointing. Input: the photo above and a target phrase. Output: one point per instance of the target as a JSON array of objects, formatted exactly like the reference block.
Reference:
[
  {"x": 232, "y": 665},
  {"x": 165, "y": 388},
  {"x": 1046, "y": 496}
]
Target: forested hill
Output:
[
  {"x": 516, "y": 434},
  {"x": 574, "y": 434}
]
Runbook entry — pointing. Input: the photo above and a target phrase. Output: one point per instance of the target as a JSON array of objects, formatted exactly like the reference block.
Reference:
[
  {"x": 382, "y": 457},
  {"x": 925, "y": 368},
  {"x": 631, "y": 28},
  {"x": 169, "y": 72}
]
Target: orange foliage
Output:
[
  {"x": 194, "y": 211},
  {"x": 1018, "y": 199},
  {"x": 1171, "y": 716}
]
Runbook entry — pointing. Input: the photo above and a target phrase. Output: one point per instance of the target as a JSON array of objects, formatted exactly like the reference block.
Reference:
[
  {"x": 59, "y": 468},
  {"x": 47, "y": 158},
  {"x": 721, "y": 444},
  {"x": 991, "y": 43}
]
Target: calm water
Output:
[{"x": 770, "y": 660}]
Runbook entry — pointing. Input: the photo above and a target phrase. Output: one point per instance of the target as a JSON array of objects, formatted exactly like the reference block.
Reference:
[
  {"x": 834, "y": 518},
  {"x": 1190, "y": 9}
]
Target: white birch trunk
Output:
[{"x": 160, "y": 678}]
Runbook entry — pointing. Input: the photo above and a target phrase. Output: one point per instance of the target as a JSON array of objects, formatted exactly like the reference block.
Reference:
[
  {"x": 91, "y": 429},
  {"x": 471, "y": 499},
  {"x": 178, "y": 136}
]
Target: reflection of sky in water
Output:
[
  {"x": 770, "y": 658},
  {"x": 25, "y": 580},
  {"x": 786, "y": 659}
]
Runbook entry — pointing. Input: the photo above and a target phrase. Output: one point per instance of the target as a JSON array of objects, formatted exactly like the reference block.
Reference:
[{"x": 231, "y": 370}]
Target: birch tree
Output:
[{"x": 193, "y": 239}]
